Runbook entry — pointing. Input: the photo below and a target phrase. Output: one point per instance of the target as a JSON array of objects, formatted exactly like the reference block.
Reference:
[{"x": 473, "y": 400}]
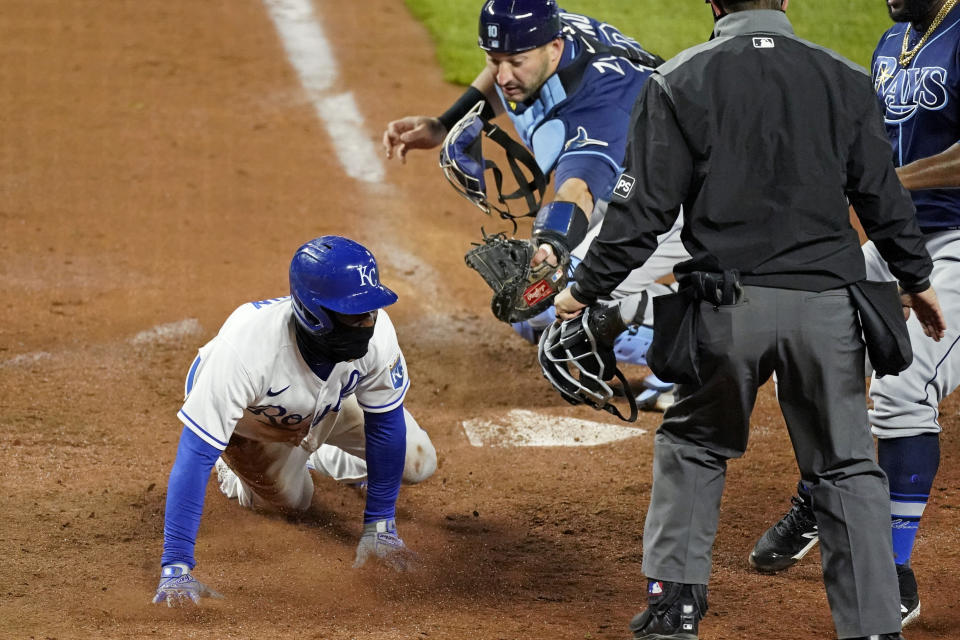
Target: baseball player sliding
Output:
[
  {"x": 316, "y": 378},
  {"x": 567, "y": 82}
]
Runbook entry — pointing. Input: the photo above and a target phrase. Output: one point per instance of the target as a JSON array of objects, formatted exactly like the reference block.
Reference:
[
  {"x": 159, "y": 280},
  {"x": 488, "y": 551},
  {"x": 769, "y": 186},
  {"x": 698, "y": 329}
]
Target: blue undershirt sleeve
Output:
[
  {"x": 386, "y": 450},
  {"x": 185, "y": 493}
]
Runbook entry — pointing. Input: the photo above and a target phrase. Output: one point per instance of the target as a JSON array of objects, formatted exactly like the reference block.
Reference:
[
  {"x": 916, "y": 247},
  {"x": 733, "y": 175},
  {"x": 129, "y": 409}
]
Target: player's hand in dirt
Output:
[
  {"x": 412, "y": 132},
  {"x": 178, "y": 588},
  {"x": 380, "y": 540},
  {"x": 927, "y": 308}
]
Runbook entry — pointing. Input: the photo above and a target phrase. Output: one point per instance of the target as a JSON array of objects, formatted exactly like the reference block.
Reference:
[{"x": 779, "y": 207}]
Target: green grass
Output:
[{"x": 850, "y": 27}]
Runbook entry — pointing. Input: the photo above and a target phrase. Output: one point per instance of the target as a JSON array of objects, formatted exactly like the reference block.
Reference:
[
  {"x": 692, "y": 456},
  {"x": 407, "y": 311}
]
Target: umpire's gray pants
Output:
[{"x": 812, "y": 341}]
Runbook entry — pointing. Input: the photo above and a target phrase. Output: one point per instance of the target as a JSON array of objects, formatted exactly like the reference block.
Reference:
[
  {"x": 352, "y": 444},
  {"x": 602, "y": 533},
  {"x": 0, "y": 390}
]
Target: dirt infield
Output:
[{"x": 159, "y": 163}]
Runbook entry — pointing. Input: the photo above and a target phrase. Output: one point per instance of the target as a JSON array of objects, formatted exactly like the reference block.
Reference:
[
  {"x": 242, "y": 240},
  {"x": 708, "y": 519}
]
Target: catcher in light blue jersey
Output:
[
  {"x": 916, "y": 74},
  {"x": 568, "y": 83},
  {"x": 312, "y": 380}
]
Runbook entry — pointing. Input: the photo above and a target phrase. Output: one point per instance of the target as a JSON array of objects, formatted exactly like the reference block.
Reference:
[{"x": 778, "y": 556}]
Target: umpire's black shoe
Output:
[
  {"x": 909, "y": 598},
  {"x": 674, "y": 611},
  {"x": 882, "y": 636},
  {"x": 788, "y": 540}
]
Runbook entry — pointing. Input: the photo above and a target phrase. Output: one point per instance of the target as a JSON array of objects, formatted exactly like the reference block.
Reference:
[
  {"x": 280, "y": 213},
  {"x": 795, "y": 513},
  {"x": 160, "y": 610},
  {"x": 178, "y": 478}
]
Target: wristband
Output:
[
  {"x": 381, "y": 526},
  {"x": 462, "y": 106},
  {"x": 563, "y": 224},
  {"x": 174, "y": 570}
]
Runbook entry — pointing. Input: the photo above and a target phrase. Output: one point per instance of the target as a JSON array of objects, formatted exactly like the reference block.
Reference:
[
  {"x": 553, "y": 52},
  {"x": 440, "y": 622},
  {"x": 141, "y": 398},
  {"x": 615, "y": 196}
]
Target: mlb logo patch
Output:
[
  {"x": 655, "y": 588},
  {"x": 624, "y": 186},
  {"x": 763, "y": 43},
  {"x": 396, "y": 373}
]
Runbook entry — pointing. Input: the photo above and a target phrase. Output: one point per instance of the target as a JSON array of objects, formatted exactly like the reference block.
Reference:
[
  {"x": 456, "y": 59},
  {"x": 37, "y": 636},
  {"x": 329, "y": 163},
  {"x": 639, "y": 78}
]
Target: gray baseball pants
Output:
[{"x": 812, "y": 341}]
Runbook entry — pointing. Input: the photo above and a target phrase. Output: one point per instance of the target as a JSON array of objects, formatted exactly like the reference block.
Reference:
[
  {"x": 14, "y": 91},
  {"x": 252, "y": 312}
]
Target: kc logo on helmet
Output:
[
  {"x": 368, "y": 275},
  {"x": 624, "y": 186}
]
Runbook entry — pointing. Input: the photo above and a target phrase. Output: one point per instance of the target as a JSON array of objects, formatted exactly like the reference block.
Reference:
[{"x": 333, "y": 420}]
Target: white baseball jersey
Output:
[{"x": 251, "y": 379}]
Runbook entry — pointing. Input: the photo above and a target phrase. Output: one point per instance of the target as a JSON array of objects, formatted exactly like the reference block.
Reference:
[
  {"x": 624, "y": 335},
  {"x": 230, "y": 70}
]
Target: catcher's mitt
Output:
[{"x": 519, "y": 290}]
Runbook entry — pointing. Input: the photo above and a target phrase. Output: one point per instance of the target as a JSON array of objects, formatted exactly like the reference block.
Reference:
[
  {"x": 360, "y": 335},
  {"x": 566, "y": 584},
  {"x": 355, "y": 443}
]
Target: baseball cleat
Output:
[
  {"x": 657, "y": 395},
  {"x": 786, "y": 542},
  {"x": 909, "y": 598}
]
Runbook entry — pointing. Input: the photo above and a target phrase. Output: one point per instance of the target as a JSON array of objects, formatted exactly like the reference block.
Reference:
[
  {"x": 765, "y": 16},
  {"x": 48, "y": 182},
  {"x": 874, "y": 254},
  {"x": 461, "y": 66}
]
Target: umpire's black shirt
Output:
[{"x": 763, "y": 138}]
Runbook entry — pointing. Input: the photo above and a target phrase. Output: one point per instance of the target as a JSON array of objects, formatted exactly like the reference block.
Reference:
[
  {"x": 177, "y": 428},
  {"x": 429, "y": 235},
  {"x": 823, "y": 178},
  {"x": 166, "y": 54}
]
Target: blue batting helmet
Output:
[
  {"x": 512, "y": 26},
  {"x": 331, "y": 273}
]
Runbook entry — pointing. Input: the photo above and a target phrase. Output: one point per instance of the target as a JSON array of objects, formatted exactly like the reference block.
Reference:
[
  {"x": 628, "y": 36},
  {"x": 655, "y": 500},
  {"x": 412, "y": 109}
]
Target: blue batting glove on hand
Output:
[
  {"x": 380, "y": 540},
  {"x": 177, "y": 587}
]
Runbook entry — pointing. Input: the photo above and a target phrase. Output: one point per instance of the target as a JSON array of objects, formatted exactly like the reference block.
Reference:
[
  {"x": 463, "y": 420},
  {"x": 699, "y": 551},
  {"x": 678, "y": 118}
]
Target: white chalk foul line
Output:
[
  {"x": 522, "y": 428},
  {"x": 168, "y": 333},
  {"x": 309, "y": 53},
  {"x": 26, "y": 359}
]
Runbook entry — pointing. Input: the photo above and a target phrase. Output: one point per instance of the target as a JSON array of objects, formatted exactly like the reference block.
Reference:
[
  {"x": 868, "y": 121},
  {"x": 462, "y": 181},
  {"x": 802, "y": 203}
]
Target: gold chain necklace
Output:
[{"x": 907, "y": 56}]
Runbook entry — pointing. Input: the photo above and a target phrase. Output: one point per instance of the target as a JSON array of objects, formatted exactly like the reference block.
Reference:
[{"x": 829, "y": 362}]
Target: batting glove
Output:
[
  {"x": 380, "y": 540},
  {"x": 177, "y": 587}
]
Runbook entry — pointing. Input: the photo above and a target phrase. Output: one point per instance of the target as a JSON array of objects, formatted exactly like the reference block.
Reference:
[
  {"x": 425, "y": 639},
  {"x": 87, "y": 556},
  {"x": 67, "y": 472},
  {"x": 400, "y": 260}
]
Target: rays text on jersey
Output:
[{"x": 904, "y": 91}]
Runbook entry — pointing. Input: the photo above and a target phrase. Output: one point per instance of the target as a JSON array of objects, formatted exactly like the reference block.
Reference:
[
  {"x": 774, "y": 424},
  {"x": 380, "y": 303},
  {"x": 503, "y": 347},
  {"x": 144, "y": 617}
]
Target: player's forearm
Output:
[
  {"x": 386, "y": 450},
  {"x": 185, "y": 497},
  {"x": 486, "y": 84},
  {"x": 941, "y": 171},
  {"x": 480, "y": 89},
  {"x": 576, "y": 191}
]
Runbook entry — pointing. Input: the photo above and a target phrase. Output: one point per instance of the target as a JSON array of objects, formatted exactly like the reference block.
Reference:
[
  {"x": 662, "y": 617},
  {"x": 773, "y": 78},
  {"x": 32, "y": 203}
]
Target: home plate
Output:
[{"x": 522, "y": 428}]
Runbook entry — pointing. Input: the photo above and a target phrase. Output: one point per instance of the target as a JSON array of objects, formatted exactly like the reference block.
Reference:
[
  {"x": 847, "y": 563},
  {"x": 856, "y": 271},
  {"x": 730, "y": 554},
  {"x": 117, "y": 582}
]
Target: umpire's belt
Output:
[{"x": 718, "y": 289}]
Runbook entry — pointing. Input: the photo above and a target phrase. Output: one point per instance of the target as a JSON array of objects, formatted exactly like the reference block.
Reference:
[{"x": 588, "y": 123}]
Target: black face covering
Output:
[
  {"x": 342, "y": 344},
  {"x": 916, "y": 11}
]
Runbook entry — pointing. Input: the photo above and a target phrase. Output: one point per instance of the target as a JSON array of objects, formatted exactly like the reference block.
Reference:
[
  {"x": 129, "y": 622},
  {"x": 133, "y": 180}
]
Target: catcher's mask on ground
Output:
[
  {"x": 463, "y": 164},
  {"x": 580, "y": 364}
]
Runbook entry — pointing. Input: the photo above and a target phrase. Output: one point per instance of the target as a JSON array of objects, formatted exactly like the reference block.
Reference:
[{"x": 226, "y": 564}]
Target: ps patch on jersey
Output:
[
  {"x": 396, "y": 372},
  {"x": 763, "y": 43},
  {"x": 624, "y": 186}
]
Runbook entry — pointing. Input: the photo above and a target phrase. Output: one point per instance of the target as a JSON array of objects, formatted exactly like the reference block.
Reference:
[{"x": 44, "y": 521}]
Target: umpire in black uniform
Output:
[{"x": 764, "y": 138}]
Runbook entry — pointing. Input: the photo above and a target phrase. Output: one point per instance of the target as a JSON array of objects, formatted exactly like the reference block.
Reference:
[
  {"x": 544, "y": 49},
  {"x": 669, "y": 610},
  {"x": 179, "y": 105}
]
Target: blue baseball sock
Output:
[{"x": 910, "y": 464}]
